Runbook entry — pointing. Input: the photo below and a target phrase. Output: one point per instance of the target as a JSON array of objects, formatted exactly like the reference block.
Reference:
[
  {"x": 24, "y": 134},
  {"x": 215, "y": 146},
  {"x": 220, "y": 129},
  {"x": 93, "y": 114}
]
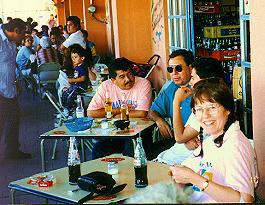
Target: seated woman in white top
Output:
[{"x": 221, "y": 168}]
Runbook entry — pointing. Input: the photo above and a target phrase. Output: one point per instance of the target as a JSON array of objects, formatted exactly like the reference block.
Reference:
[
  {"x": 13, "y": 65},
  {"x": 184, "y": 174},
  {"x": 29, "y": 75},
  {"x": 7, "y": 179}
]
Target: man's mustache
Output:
[{"x": 130, "y": 81}]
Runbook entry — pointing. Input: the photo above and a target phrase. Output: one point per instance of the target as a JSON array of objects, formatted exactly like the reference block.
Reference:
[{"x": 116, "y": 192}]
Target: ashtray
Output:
[{"x": 121, "y": 124}]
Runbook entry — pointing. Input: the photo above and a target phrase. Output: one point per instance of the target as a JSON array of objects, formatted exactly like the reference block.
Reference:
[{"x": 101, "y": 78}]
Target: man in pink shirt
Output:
[{"x": 138, "y": 97}]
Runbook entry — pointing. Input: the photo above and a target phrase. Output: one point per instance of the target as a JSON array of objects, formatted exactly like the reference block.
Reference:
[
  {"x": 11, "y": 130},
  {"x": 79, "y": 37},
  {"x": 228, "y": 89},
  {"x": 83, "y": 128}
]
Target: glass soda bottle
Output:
[
  {"x": 140, "y": 165},
  {"x": 124, "y": 108},
  {"x": 108, "y": 107},
  {"x": 73, "y": 162},
  {"x": 79, "y": 112}
]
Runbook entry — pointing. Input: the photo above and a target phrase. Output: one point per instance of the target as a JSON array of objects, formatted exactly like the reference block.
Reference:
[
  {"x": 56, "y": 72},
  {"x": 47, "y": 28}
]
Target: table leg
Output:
[
  {"x": 83, "y": 150},
  {"x": 12, "y": 194},
  {"x": 42, "y": 152}
]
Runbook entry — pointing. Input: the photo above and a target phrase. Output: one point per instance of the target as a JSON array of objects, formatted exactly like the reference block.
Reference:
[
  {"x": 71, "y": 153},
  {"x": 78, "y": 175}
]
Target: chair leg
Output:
[
  {"x": 88, "y": 144},
  {"x": 54, "y": 149}
]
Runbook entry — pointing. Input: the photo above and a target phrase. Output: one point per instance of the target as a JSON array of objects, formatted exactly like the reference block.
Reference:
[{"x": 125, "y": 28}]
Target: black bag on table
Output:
[{"x": 99, "y": 183}]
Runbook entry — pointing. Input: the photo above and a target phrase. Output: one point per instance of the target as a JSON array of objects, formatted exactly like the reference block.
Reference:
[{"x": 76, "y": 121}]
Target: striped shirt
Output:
[
  {"x": 8, "y": 52},
  {"x": 47, "y": 55}
]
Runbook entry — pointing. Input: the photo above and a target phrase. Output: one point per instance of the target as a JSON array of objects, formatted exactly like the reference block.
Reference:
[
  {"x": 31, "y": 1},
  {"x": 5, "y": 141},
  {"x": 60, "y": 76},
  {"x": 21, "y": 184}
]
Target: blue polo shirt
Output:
[{"x": 163, "y": 104}]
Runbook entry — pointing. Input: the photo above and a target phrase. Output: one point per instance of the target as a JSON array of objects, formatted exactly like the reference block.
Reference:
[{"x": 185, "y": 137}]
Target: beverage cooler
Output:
[{"x": 218, "y": 29}]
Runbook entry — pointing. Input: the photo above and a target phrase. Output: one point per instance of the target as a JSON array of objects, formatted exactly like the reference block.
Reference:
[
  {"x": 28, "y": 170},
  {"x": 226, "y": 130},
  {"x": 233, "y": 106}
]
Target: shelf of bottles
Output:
[{"x": 217, "y": 33}]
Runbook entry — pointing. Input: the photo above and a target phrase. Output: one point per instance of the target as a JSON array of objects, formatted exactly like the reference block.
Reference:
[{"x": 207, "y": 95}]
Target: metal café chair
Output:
[
  {"x": 62, "y": 116},
  {"x": 48, "y": 73}
]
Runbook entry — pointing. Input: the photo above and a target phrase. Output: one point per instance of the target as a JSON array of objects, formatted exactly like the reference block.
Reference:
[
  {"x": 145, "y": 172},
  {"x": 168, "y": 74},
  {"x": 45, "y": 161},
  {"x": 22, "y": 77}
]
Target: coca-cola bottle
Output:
[
  {"x": 140, "y": 165},
  {"x": 73, "y": 162}
]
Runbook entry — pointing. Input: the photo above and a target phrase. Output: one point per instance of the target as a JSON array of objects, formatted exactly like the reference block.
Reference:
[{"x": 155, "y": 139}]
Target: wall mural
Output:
[
  {"x": 158, "y": 40},
  {"x": 157, "y": 23}
]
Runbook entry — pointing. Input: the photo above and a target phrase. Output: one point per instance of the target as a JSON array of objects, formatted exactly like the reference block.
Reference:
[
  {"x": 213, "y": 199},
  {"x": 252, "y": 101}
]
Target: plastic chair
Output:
[{"x": 48, "y": 73}]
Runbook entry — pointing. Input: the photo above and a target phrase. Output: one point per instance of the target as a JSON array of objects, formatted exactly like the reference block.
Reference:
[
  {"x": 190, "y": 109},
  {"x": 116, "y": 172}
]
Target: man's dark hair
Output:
[
  {"x": 55, "y": 31},
  {"x": 188, "y": 55},
  {"x": 15, "y": 23},
  {"x": 119, "y": 64},
  {"x": 208, "y": 68},
  {"x": 75, "y": 20},
  {"x": 29, "y": 19},
  {"x": 9, "y": 18}
]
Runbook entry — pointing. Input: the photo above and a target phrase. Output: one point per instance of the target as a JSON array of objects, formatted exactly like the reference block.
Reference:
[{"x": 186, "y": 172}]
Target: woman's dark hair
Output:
[
  {"x": 188, "y": 55},
  {"x": 216, "y": 91},
  {"x": 75, "y": 20}
]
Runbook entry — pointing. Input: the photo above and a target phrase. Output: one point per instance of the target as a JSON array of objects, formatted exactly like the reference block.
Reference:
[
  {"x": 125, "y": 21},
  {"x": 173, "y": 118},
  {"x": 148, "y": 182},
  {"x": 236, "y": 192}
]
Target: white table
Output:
[
  {"x": 95, "y": 132},
  {"x": 62, "y": 191}
]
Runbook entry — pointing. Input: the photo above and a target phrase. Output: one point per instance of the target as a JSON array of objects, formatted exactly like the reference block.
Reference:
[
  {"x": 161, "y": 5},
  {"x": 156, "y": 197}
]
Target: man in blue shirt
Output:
[
  {"x": 180, "y": 72},
  {"x": 10, "y": 34}
]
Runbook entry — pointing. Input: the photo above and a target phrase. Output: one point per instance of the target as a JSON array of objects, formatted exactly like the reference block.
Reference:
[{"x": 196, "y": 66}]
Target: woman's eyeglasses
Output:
[
  {"x": 211, "y": 109},
  {"x": 177, "y": 68}
]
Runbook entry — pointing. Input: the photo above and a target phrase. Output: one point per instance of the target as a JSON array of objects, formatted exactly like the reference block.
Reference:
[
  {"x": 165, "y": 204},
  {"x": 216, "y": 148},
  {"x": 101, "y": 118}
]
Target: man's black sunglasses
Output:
[{"x": 177, "y": 68}]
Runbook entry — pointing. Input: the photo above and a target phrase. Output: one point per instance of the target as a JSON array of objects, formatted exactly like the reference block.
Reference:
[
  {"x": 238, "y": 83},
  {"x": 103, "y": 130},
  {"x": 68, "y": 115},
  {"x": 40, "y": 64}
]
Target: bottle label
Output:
[
  {"x": 108, "y": 115},
  {"x": 139, "y": 162},
  {"x": 79, "y": 114}
]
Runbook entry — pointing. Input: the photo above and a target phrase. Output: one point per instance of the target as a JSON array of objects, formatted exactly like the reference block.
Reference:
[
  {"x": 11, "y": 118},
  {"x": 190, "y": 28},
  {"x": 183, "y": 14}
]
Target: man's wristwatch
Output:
[{"x": 204, "y": 185}]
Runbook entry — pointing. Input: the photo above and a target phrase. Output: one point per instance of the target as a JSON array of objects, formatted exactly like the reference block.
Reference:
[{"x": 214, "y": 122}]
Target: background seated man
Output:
[
  {"x": 138, "y": 98},
  {"x": 23, "y": 56},
  {"x": 202, "y": 68},
  {"x": 179, "y": 69}
]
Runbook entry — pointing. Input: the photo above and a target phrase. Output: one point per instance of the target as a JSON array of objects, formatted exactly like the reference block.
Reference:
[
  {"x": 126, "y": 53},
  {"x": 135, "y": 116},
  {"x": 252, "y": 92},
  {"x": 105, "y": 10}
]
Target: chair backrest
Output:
[{"x": 49, "y": 72}]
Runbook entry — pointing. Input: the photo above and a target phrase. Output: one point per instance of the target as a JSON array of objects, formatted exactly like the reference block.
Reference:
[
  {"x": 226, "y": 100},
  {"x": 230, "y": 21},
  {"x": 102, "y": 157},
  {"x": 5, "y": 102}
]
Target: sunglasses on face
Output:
[{"x": 177, "y": 68}]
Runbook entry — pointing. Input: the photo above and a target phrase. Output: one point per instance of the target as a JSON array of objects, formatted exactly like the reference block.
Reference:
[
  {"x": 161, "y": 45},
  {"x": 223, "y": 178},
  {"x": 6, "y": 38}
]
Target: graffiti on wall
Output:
[{"x": 157, "y": 23}]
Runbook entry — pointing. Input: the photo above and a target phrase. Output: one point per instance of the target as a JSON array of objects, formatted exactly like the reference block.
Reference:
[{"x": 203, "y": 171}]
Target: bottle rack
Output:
[{"x": 217, "y": 33}]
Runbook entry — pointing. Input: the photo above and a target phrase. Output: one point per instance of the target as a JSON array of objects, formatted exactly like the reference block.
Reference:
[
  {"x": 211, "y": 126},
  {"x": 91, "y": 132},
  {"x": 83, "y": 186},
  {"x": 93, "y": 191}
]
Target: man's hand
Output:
[
  {"x": 192, "y": 143},
  {"x": 164, "y": 128}
]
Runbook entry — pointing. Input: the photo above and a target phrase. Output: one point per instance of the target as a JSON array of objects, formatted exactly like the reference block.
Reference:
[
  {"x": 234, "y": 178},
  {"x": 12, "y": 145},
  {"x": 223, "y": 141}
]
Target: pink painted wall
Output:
[
  {"x": 257, "y": 36},
  {"x": 159, "y": 29}
]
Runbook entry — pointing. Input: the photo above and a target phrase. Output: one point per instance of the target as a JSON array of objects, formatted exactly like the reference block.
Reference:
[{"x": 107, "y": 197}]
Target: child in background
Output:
[
  {"x": 80, "y": 78},
  {"x": 79, "y": 82}
]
